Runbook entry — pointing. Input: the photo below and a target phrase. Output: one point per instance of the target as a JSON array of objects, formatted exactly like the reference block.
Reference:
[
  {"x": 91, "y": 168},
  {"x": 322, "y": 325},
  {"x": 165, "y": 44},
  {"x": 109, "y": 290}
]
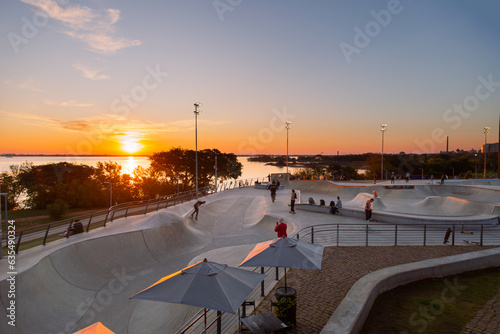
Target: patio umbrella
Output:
[
  {"x": 205, "y": 284},
  {"x": 97, "y": 328},
  {"x": 286, "y": 253}
]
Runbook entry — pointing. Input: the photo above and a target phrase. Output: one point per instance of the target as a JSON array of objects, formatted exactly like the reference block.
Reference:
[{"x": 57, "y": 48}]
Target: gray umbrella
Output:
[
  {"x": 205, "y": 284},
  {"x": 286, "y": 253}
]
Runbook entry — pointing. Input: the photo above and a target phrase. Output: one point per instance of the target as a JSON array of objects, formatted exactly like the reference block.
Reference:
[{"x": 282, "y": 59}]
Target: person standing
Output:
[
  {"x": 292, "y": 201},
  {"x": 339, "y": 203},
  {"x": 197, "y": 208},
  {"x": 393, "y": 177},
  {"x": 368, "y": 209},
  {"x": 280, "y": 229},
  {"x": 272, "y": 188}
]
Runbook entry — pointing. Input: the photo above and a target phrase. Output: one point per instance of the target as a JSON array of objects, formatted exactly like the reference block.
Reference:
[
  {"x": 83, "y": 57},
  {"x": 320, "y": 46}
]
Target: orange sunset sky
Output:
[{"x": 122, "y": 77}]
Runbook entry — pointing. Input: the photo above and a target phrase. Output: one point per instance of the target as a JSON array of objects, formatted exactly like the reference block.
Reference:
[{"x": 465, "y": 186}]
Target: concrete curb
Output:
[
  {"x": 408, "y": 219},
  {"x": 355, "y": 307}
]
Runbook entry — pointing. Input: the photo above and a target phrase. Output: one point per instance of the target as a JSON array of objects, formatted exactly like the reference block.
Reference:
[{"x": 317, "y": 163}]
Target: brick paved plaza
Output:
[{"x": 319, "y": 293}]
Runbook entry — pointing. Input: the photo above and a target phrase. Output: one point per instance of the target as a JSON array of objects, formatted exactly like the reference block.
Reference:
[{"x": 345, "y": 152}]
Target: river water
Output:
[{"x": 250, "y": 169}]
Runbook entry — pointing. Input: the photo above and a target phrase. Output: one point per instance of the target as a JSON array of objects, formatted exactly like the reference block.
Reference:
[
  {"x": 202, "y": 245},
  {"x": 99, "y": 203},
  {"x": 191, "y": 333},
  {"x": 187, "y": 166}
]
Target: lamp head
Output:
[
  {"x": 383, "y": 127},
  {"x": 196, "y": 106}
]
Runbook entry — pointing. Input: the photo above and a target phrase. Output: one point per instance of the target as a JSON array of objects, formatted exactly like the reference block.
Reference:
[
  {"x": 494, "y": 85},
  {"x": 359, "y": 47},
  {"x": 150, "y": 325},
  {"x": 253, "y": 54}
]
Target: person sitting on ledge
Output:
[
  {"x": 333, "y": 208},
  {"x": 76, "y": 228}
]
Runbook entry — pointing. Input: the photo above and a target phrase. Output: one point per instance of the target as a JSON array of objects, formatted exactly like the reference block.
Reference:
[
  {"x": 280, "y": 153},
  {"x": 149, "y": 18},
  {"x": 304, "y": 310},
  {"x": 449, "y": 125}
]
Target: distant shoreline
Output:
[{"x": 73, "y": 155}]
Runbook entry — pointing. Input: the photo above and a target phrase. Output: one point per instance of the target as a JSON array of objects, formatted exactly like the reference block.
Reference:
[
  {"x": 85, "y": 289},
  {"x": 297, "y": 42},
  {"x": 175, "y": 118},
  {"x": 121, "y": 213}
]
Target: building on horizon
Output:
[{"x": 490, "y": 148}]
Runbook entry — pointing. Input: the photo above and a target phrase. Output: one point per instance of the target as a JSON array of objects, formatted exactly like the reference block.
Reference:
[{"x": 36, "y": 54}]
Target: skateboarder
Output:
[
  {"x": 197, "y": 208},
  {"x": 292, "y": 201},
  {"x": 273, "y": 191},
  {"x": 368, "y": 209}
]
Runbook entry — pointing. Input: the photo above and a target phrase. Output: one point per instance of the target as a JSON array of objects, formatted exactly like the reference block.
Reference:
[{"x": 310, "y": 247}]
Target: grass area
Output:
[
  {"x": 31, "y": 218},
  {"x": 435, "y": 305}
]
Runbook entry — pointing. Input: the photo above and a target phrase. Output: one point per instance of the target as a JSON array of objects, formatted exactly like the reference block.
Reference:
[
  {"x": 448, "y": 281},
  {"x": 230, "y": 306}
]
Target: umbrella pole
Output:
[
  {"x": 285, "y": 279},
  {"x": 205, "y": 316}
]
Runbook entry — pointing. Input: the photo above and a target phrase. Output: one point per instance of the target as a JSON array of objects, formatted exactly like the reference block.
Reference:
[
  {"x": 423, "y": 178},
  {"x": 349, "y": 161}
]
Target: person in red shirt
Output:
[{"x": 281, "y": 229}]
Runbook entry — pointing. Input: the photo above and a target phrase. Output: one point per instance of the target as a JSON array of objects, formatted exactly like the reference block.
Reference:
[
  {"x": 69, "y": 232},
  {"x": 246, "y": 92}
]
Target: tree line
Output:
[
  {"x": 81, "y": 186},
  {"x": 453, "y": 164}
]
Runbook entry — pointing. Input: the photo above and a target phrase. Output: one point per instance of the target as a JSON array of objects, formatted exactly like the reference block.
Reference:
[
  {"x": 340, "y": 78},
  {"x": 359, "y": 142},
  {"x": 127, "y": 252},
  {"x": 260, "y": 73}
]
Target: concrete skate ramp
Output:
[
  {"x": 360, "y": 201},
  {"x": 93, "y": 279},
  {"x": 326, "y": 187},
  {"x": 166, "y": 236},
  {"x": 453, "y": 206},
  {"x": 265, "y": 226},
  {"x": 84, "y": 280}
]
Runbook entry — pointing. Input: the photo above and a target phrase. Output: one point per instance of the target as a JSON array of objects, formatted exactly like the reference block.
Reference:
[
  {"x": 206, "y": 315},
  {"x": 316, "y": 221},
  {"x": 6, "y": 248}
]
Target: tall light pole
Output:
[
  {"x": 383, "y": 128},
  {"x": 196, "y": 112},
  {"x": 215, "y": 167},
  {"x": 287, "y": 126},
  {"x": 110, "y": 193},
  {"x": 475, "y": 163},
  {"x": 486, "y": 131}
]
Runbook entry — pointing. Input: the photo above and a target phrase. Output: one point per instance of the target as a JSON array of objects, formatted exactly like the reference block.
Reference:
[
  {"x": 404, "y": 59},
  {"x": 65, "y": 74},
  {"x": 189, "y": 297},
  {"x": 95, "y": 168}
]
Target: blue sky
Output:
[{"x": 113, "y": 76}]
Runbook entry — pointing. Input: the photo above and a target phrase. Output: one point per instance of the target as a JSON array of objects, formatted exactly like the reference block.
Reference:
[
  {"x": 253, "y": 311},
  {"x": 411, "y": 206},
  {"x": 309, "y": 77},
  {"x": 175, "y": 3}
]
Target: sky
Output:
[{"x": 122, "y": 77}]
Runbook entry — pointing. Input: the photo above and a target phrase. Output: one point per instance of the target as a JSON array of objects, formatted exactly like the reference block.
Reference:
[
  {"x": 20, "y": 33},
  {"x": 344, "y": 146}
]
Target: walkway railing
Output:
[
  {"x": 398, "y": 235},
  {"x": 42, "y": 234}
]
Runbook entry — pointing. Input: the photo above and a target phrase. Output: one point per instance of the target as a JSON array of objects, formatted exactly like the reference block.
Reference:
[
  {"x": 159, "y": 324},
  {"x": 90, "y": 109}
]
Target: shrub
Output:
[{"x": 57, "y": 209}]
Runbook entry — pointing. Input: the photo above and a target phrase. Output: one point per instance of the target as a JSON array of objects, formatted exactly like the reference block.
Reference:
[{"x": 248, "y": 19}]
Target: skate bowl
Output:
[
  {"x": 72, "y": 283},
  {"x": 470, "y": 205},
  {"x": 86, "y": 280},
  {"x": 90, "y": 277}
]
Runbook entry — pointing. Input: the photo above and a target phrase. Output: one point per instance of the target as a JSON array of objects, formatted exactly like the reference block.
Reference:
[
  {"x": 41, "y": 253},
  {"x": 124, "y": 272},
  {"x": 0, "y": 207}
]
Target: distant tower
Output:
[{"x": 447, "y": 142}]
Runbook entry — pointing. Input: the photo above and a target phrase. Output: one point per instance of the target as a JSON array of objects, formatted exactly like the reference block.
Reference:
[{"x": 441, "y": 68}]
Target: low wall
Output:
[
  {"x": 407, "y": 219},
  {"x": 355, "y": 307}
]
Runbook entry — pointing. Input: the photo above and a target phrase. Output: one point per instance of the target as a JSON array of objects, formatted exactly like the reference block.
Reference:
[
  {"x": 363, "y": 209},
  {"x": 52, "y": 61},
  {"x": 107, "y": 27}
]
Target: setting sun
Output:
[{"x": 131, "y": 145}]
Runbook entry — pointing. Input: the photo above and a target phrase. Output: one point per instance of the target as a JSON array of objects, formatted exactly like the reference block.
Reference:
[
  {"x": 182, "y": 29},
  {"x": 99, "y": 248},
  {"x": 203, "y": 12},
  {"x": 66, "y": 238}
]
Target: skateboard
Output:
[
  {"x": 466, "y": 232},
  {"x": 471, "y": 242}
]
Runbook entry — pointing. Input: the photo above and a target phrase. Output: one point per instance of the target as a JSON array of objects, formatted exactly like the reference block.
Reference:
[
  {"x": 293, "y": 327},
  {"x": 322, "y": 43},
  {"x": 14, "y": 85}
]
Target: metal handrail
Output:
[
  {"x": 399, "y": 234},
  {"x": 41, "y": 234}
]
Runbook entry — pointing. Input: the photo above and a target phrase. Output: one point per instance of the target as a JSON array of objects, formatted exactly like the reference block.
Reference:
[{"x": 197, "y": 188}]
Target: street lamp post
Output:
[
  {"x": 110, "y": 193},
  {"x": 486, "y": 131},
  {"x": 287, "y": 126},
  {"x": 383, "y": 128},
  {"x": 475, "y": 164},
  {"x": 215, "y": 167},
  {"x": 196, "y": 112}
]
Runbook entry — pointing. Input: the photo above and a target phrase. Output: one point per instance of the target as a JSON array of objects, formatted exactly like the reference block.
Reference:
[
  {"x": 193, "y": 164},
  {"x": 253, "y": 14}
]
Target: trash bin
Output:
[{"x": 286, "y": 306}]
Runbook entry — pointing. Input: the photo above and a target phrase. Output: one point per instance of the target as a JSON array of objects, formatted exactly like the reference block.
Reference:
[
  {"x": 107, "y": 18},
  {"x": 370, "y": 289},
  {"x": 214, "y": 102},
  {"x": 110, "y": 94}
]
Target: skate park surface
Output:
[{"x": 72, "y": 283}]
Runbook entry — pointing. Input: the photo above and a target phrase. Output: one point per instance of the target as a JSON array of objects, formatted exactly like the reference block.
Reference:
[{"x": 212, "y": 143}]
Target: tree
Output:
[
  {"x": 44, "y": 184},
  {"x": 178, "y": 163}
]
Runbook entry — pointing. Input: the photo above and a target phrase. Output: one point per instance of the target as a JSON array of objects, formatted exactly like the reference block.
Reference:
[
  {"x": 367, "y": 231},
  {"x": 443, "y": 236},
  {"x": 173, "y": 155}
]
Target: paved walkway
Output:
[
  {"x": 487, "y": 319},
  {"x": 319, "y": 293}
]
